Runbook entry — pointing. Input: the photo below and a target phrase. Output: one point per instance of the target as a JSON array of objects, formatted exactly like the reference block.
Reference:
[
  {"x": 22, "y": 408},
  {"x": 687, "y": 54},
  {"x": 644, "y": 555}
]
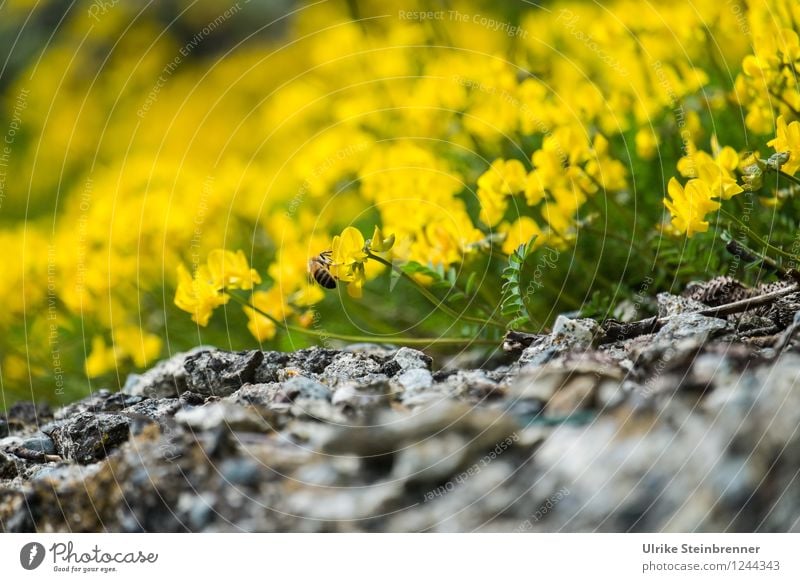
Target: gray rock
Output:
[
  {"x": 242, "y": 472},
  {"x": 685, "y": 429}
]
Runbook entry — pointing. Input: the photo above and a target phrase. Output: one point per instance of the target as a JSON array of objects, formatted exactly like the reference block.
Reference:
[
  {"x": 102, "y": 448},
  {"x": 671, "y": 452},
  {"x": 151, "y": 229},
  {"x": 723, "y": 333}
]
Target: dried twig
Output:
[
  {"x": 749, "y": 303},
  {"x": 614, "y": 331},
  {"x": 31, "y": 455}
]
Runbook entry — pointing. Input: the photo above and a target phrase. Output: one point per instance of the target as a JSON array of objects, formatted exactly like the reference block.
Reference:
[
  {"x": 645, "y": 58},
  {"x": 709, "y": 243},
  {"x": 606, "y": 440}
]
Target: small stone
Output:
[
  {"x": 690, "y": 325},
  {"x": 218, "y": 373},
  {"x": 159, "y": 409},
  {"x": 8, "y": 468},
  {"x": 3, "y": 428},
  {"x": 257, "y": 394},
  {"x": 568, "y": 334},
  {"x": 579, "y": 332},
  {"x": 415, "y": 380},
  {"x": 351, "y": 366},
  {"x": 352, "y": 397},
  {"x": 89, "y": 437},
  {"x": 610, "y": 394},
  {"x": 576, "y": 395},
  {"x": 669, "y": 304},
  {"x": 166, "y": 379},
  {"x": 39, "y": 442},
  {"x": 408, "y": 359},
  {"x": 303, "y": 388},
  {"x": 225, "y": 414}
]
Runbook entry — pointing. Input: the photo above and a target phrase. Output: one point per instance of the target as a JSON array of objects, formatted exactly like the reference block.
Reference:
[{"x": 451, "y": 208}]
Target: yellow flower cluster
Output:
[
  {"x": 768, "y": 81},
  {"x": 566, "y": 171},
  {"x": 164, "y": 156}
]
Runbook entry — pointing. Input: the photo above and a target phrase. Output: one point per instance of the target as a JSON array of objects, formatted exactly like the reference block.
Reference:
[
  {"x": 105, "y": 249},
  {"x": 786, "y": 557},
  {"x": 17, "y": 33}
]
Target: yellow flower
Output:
[
  {"x": 199, "y": 295},
  {"x": 102, "y": 358},
  {"x": 231, "y": 270},
  {"x": 308, "y": 295},
  {"x": 493, "y": 206},
  {"x": 273, "y": 304},
  {"x": 520, "y": 233},
  {"x": 348, "y": 256},
  {"x": 136, "y": 344},
  {"x": 347, "y": 249},
  {"x": 689, "y": 206},
  {"x": 503, "y": 178},
  {"x": 646, "y": 143},
  {"x": 379, "y": 244},
  {"x": 719, "y": 182},
  {"x": 788, "y": 140}
]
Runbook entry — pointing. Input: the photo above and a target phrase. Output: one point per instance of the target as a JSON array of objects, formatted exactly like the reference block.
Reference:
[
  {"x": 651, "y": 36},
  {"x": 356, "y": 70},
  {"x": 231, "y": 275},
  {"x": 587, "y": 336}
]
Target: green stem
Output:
[
  {"x": 792, "y": 179},
  {"x": 432, "y": 298},
  {"x": 414, "y": 341}
]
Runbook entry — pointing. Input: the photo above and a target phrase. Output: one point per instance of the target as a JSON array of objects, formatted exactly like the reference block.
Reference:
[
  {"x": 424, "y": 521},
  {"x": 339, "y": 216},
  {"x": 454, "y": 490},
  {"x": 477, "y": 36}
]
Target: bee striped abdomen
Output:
[{"x": 318, "y": 268}]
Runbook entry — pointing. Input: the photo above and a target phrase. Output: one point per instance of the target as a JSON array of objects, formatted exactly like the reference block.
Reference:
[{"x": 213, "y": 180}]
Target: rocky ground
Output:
[{"x": 692, "y": 427}]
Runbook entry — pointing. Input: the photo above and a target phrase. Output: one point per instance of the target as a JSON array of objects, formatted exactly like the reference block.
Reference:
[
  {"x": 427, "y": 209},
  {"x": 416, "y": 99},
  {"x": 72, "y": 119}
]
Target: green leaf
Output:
[
  {"x": 511, "y": 302},
  {"x": 471, "y": 283}
]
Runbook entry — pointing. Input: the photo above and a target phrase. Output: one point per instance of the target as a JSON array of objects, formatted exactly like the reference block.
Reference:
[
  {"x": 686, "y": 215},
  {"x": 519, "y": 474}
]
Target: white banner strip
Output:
[{"x": 401, "y": 557}]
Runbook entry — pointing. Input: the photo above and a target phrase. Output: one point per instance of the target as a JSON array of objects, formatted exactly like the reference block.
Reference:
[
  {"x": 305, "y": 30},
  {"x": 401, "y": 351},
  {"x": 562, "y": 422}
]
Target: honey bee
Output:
[{"x": 318, "y": 268}]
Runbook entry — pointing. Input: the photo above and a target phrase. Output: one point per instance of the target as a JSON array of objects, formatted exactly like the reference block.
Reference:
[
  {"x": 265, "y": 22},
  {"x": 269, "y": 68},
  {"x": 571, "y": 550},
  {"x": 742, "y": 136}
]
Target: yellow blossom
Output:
[
  {"x": 199, "y": 295},
  {"x": 378, "y": 243},
  {"x": 102, "y": 358},
  {"x": 503, "y": 178},
  {"x": 646, "y": 143},
  {"x": 272, "y": 303},
  {"x": 523, "y": 230},
  {"x": 231, "y": 270},
  {"x": 690, "y": 205},
  {"x": 348, "y": 256},
  {"x": 788, "y": 140},
  {"x": 138, "y": 345}
]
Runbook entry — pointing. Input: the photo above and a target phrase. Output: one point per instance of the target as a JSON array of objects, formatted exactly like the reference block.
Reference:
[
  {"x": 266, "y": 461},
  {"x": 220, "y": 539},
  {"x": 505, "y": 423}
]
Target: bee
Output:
[{"x": 318, "y": 268}]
